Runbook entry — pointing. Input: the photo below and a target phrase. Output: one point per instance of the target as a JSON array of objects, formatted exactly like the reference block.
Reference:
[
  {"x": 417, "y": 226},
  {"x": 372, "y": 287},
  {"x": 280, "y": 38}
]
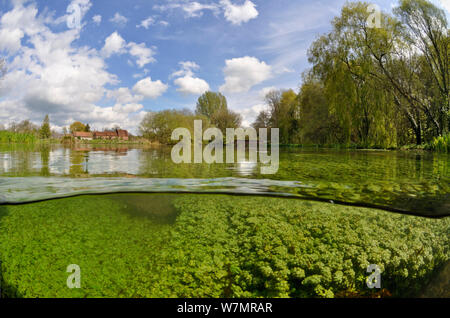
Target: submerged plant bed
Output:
[{"x": 185, "y": 245}]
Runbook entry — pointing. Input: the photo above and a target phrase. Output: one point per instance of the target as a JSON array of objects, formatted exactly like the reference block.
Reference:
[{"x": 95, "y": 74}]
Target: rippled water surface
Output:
[{"x": 412, "y": 182}]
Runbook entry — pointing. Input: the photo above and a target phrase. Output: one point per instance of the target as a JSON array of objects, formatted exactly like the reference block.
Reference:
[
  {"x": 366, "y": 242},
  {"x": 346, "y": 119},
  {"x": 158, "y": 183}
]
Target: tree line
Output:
[
  {"x": 374, "y": 87},
  {"x": 212, "y": 109},
  {"x": 380, "y": 86},
  {"x": 26, "y": 127}
]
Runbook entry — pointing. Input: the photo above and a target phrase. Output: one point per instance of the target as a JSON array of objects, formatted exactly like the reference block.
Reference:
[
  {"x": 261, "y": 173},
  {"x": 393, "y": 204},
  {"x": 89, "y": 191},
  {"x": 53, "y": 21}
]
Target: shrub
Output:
[
  {"x": 441, "y": 144},
  {"x": 10, "y": 137}
]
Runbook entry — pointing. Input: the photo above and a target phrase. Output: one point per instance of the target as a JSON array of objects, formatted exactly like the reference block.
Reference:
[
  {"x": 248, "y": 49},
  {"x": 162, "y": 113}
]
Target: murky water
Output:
[{"x": 410, "y": 182}]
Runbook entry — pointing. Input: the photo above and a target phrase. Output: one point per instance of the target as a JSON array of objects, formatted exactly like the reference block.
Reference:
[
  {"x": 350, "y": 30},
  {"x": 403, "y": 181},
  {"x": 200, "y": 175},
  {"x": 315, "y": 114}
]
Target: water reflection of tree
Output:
[
  {"x": 45, "y": 158},
  {"x": 79, "y": 163}
]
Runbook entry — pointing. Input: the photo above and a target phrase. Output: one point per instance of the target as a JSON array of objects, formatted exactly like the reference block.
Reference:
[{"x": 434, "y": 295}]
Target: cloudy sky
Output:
[{"x": 108, "y": 62}]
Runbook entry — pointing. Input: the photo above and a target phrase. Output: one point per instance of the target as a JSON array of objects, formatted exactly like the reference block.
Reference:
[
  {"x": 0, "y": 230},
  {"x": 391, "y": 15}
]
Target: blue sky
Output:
[{"x": 126, "y": 58}]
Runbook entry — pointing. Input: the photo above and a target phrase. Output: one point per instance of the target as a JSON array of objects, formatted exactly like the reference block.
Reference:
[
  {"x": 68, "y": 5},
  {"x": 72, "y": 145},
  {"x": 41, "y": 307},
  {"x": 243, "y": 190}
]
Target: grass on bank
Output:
[
  {"x": 132, "y": 141},
  {"x": 214, "y": 246},
  {"x": 441, "y": 144}
]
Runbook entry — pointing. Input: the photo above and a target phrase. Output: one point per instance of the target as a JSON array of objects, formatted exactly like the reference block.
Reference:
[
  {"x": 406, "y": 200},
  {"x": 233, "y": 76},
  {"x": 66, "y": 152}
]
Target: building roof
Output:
[
  {"x": 105, "y": 133},
  {"x": 82, "y": 134},
  {"x": 115, "y": 133},
  {"x": 122, "y": 133}
]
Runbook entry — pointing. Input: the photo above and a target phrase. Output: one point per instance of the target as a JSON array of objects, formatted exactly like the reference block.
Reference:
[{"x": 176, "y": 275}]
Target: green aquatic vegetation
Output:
[
  {"x": 213, "y": 246},
  {"x": 441, "y": 144},
  {"x": 289, "y": 248}
]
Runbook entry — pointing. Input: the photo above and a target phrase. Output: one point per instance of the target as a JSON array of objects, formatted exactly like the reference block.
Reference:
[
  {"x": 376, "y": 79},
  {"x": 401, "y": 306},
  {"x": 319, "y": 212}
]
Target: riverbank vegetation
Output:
[
  {"x": 375, "y": 87},
  {"x": 26, "y": 132},
  {"x": 441, "y": 144},
  {"x": 383, "y": 87},
  {"x": 212, "y": 109},
  {"x": 198, "y": 246}
]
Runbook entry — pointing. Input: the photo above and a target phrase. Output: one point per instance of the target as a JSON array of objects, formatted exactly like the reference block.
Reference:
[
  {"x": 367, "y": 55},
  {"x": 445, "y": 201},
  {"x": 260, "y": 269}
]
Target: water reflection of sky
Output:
[
  {"x": 247, "y": 168},
  {"x": 397, "y": 179},
  {"x": 64, "y": 161}
]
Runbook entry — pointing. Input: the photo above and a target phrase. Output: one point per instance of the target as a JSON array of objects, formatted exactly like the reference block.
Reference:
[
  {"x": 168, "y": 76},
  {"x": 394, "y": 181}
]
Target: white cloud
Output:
[
  {"x": 263, "y": 92},
  {"x": 119, "y": 19},
  {"x": 114, "y": 44},
  {"x": 97, "y": 19},
  {"x": 143, "y": 54},
  {"x": 83, "y": 5},
  {"x": 186, "y": 82},
  {"x": 249, "y": 114},
  {"x": 15, "y": 24},
  {"x": 241, "y": 74},
  {"x": 147, "y": 23},
  {"x": 192, "y": 9},
  {"x": 11, "y": 39},
  {"x": 191, "y": 85},
  {"x": 150, "y": 89},
  {"x": 446, "y": 5},
  {"x": 195, "y": 9},
  {"x": 238, "y": 14},
  {"x": 144, "y": 73},
  {"x": 127, "y": 108},
  {"x": 187, "y": 68},
  {"x": 50, "y": 75},
  {"x": 234, "y": 13},
  {"x": 123, "y": 95}
]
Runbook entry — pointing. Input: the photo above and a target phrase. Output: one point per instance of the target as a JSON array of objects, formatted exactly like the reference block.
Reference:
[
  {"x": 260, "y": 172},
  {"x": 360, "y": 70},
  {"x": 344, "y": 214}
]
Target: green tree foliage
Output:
[
  {"x": 45, "y": 132},
  {"x": 282, "y": 113},
  {"x": 160, "y": 125},
  {"x": 318, "y": 125},
  {"x": 262, "y": 121},
  {"x": 77, "y": 127},
  {"x": 375, "y": 87},
  {"x": 25, "y": 126},
  {"x": 225, "y": 118},
  {"x": 87, "y": 128},
  {"x": 209, "y": 103},
  {"x": 426, "y": 29},
  {"x": 214, "y": 106}
]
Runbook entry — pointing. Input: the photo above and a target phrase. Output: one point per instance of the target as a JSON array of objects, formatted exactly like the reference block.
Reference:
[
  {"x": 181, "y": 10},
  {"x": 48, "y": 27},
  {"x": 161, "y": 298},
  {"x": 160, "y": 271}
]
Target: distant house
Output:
[
  {"x": 105, "y": 135},
  {"x": 81, "y": 135},
  {"x": 123, "y": 134}
]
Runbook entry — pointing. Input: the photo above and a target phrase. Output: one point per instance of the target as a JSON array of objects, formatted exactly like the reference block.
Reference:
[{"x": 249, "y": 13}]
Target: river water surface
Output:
[{"x": 409, "y": 182}]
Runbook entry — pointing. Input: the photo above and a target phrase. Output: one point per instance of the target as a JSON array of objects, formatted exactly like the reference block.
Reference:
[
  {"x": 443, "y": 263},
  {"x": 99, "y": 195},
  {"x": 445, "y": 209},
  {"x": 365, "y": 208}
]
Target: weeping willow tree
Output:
[
  {"x": 356, "y": 95},
  {"x": 426, "y": 31},
  {"x": 379, "y": 80}
]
